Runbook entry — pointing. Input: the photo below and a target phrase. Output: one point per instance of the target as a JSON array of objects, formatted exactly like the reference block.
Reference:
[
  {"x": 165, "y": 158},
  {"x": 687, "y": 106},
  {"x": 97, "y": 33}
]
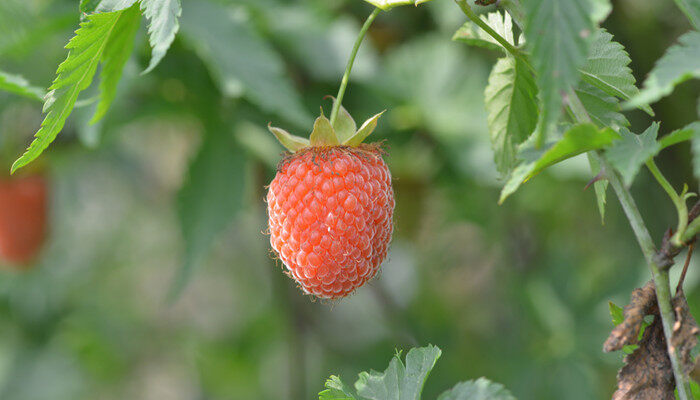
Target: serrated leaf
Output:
[
  {"x": 579, "y": 139},
  {"x": 472, "y": 34},
  {"x": 116, "y": 54},
  {"x": 480, "y": 389},
  {"x": 365, "y": 130},
  {"x": 208, "y": 200},
  {"x": 389, "y": 4},
  {"x": 629, "y": 153},
  {"x": 556, "y": 32},
  {"x": 511, "y": 104},
  {"x": 600, "y": 187},
  {"x": 18, "y": 85},
  {"x": 603, "y": 109},
  {"x": 323, "y": 133},
  {"x": 680, "y": 63},
  {"x": 688, "y": 132},
  {"x": 399, "y": 381},
  {"x": 607, "y": 68},
  {"x": 291, "y": 142},
  {"x": 74, "y": 75},
  {"x": 691, "y": 9},
  {"x": 163, "y": 24},
  {"x": 336, "y": 390},
  {"x": 241, "y": 62}
]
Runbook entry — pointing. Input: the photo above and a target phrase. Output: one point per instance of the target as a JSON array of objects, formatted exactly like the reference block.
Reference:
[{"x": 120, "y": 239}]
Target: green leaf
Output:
[
  {"x": 556, "y": 32},
  {"x": 241, "y": 62},
  {"x": 695, "y": 149},
  {"x": 116, "y": 54},
  {"x": 688, "y": 132},
  {"x": 18, "y": 85},
  {"x": 603, "y": 109},
  {"x": 511, "y": 104},
  {"x": 74, "y": 75},
  {"x": 323, "y": 133},
  {"x": 399, "y": 381},
  {"x": 291, "y": 142},
  {"x": 600, "y": 9},
  {"x": 680, "y": 63},
  {"x": 472, "y": 34},
  {"x": 579, "y": 139},
  {"x": 389, "y": 4},
  {"x": 691, "y": 9},
  {"x": 480, "y": 389},
  {"x": 336, "y": 390},
  {"x": 632, "y": 151},
  {"x": 607, "y": 68},
  {"x": 616, "y": 313},
  {"x": 163, "y": 24},
  {"x": 365, "y": 130},
  {"x": 208, "y": 200},
  {"x": 600, "y": 187},
  {"x": 344, "y": 126}
]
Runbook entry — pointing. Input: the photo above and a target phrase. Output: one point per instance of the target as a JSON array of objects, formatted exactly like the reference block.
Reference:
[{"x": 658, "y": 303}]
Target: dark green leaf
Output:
[
  {"x": 688, "y": 132},
  {"x": 632, "y": 151},
  {"x": 556, "y": 32},
  {"x": 603, "y": 109},
  {"x": 480, "y": 389},
  {"x": 511, "y": 103},
  {"x": 18, "y": 85},
  {"x": 680, "y": 63}
]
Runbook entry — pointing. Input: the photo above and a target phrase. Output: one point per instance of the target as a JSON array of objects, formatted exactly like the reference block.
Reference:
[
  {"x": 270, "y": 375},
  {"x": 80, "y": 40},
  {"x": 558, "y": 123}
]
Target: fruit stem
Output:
[{"x": 351, "y": 61}]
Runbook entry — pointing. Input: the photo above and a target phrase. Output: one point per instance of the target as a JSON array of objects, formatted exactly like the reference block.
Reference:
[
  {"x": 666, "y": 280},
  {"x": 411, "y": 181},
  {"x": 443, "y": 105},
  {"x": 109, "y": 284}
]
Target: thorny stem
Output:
[{"x": 351, "y": 61}]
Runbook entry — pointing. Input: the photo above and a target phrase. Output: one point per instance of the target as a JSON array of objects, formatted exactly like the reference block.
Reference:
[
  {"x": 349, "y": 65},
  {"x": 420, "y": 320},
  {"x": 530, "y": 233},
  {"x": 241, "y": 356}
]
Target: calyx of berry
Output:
[{"x": 343, "y": 132}]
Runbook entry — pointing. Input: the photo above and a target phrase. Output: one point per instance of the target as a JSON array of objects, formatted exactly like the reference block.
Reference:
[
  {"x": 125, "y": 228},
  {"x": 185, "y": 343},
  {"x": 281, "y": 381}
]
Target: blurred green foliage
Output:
[{"x": 518, "y": 293}]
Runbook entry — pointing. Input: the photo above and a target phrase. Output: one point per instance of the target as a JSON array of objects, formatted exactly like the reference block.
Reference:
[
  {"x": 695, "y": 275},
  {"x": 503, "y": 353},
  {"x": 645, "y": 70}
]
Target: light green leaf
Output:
[
  {"x": 111, "y": 5},
  {"x": 632, "y": 151},
  {"x": 600, "y": 9},
  {"x": 365, "y": 130},
  {"x": 163, "y": 24},
  {"x": 116, "y": 54},
  {"x": 472, "y": 34},
  {"x": 480, "y": 389},
  {"x": 691, "y": 9},
  {"x": 18, "y": 85},
  {"x": 600, "y": 187},
  {"x": 579, "y": 139},
  {"x": 511, "y": 104},
  {"x": 323, "y": 133},
  {"x": 336, "y": 390},
  {"x": 208, "y": 200},
  {"x": 389, "y": 4},
  {"x": 291, "y": 142},
  {"x": 399, "y": 381},
  {"x": 344, "y": 125},
  {"x": 688, "y": 132},
  {"x": 74, "y": 75},
  {"x": 241, "y": 62},
  {"x": 556, "y": 32},
  {"x": 680, "y": 63},
  {"x": 607, "y": 68},
  {"x": 616, "y": 313},
  {"x": 603, "y": 109}
]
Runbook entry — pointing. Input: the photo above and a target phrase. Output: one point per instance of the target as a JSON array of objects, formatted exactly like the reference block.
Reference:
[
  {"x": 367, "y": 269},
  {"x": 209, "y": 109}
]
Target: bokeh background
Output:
[{"x": 518, "y": 293}]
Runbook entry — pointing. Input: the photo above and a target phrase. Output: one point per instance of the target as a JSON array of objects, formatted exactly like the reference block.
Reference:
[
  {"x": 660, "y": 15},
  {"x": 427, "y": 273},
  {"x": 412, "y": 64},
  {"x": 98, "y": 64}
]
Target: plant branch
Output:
[
  {"x": 678, "y": 201},
  {"x": 351, "y": 61}
]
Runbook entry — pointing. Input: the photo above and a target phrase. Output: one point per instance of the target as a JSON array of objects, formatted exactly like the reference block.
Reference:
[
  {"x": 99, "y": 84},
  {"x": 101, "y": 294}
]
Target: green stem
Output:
[
  {"x": 351, "y": 61},
  {"x": 678, "y": 201}
]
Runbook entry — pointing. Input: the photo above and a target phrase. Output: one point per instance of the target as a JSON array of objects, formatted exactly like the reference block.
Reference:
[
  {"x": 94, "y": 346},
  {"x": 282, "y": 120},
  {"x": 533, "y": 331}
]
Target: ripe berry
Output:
[
  {"x": 23, "y": 207},
  {"x": 330, "y": 208}
]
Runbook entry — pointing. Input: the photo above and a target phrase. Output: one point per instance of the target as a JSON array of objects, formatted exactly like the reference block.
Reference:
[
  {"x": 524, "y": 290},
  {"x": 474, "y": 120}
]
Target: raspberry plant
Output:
[{"x": 559, "y": 89}]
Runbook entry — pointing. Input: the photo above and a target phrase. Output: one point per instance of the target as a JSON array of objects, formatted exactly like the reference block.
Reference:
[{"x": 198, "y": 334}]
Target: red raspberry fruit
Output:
[
  {"x": 330, "y": 208},
  {"x": 23, "y": 207}
]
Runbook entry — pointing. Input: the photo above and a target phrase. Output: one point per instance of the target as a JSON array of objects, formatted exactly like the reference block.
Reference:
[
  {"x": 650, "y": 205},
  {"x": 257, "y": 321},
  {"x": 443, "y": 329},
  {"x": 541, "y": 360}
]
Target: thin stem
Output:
[
  {"x": 678, "y": 201},
  {"x": 351, "y": 61},
  {"x": 679, "y": 287}
]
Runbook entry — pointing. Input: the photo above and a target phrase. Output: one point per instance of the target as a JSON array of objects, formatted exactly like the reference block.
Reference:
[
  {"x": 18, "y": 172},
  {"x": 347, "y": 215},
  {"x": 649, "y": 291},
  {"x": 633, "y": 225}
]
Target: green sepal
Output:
[
  {"x": 323, "y": 133},
  {"x": 344, "y": 126},
  {"x": 365, "y": 130},
  {"x": 291, "y": 142}
]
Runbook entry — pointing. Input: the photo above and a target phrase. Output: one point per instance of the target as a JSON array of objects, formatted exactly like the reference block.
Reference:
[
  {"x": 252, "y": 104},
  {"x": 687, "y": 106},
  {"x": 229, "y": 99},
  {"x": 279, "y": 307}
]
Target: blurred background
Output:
[{"x": 518, "y": 293}]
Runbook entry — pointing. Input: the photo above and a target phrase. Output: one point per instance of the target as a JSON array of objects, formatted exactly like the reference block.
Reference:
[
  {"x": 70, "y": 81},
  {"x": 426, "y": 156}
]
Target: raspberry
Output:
[
  {"x": 330, "y": 210},
  {"x": 22, "y": 218}
]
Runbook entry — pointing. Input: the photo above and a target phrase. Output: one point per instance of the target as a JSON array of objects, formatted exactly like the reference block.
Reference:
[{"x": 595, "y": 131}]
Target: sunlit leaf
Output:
[
  {"x": 389, "y": 4},
  {"x": 336, "y": 390}
]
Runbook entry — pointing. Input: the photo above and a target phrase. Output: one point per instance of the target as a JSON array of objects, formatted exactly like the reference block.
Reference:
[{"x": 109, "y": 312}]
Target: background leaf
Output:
[
  {"x": 688, "y": 132},
  {"x": 472, "y": 34},
  {"x": 163, "y": 24},
  {"x": 556, "y": 32},
  {"x": 336, "y": 390},
  {"x": 480, "y": 389},
  {"x": 511, "y": 104},
  {"x": 680, "y": 63},
  {"x": 691, "y": 9},
  {"x": 600, "y": 186},
  {"x": 389, "y": 4},
  {"x": 632, "y": 151},
  {"x": 18, "y": 85}
]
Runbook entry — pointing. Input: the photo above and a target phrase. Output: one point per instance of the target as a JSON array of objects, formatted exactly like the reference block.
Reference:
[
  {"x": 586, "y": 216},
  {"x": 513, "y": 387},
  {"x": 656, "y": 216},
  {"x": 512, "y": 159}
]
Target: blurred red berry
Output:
[
  {"x": 330, "y": 217},
  {"x": 23, "y": 209}
]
